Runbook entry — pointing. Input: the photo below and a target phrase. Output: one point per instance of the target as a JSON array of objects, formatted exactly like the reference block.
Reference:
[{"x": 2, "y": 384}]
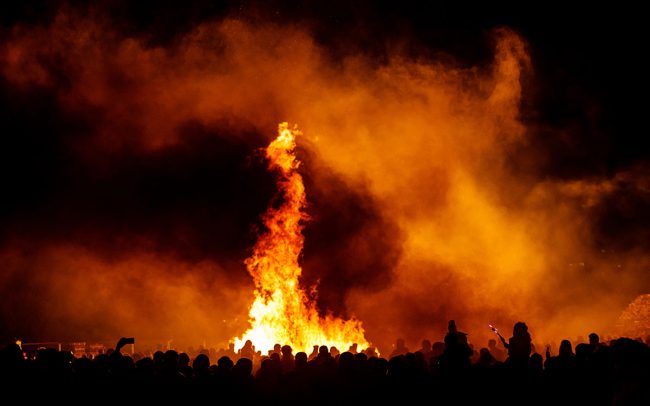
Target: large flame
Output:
[{"x": 282, "y": 313}]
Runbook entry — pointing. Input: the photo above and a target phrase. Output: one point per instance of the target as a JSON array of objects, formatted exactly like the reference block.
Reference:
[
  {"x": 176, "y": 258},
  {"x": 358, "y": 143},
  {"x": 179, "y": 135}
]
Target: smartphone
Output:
[{"x": 129, "y": 340}]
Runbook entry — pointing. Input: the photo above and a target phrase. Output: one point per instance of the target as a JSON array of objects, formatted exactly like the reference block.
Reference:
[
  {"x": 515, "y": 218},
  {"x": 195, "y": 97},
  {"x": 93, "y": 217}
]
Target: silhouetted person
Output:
[
  {"x": 287, "y": 359},
  {"x": 324, "y": 369},
  {"x": 563, "y": 377},
  {"x": 301, "y": 361},
  {"x": 566, "y": 350},
  {"x": 296, "y": 383},
  {"x": 224, "y": 367},
  {"x": 437, "y": 349},
  {"x": 230, "y": 352},
  {"x": 267, "y": 379},
  {"x": 371, "y": 352},
  {"x": 426, "y": 349},
  {"x": 346, "y": 373},
  {"x": 536, "y": 364},
  {"x": 519, "y": 346},
  {"x": 184, "y": 365},
  {"x": 594, "y": 341},
  {"x": 323, "y": 355},
  {"x": 456, "y": 355},
  {"x": 599, "y": 360},
  {"x": 314, "y": 353},
  {"x": 400, "y": 348},
  {"x": 158, "y": 357},
  {"x": 145, "y": 370},
  {"x": 630, "y": 371},
  {"x": 201, "y": 366},
  {"x": 12, "y": 363},
  {"x": 247, "y": 351},
  {"x": 565, "y": 362},
  {"x": 496, "y": 352},
  {"x": 242, "y": 380},
  {"x": 485, "y": 358}
]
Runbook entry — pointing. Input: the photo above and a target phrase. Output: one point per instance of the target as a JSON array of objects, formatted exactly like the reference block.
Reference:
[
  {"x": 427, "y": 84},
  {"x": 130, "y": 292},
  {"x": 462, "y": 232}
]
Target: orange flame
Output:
[{"x": 282, "y": 312}]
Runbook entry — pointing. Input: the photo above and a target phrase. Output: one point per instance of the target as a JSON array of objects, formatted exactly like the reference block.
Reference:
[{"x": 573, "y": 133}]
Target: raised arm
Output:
[
  {"x": 503, "y": 340},
  {"x": 124, "y": 341}
]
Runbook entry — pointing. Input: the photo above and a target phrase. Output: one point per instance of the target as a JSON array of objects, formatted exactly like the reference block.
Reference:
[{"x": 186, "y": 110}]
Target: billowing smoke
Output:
[{"x": 134, "y": 184}]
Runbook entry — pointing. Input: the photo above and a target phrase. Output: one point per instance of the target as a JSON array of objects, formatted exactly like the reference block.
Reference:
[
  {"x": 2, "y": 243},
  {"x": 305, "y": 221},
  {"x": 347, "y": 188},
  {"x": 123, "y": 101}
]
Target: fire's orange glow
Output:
[
  {"x": 282, "y": 312},
  {"x": 462, "y": 219}
]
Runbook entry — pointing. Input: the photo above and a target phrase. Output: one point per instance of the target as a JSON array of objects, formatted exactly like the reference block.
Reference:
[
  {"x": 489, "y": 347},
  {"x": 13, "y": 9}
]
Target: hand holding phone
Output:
[{"x": 124, "y": 341}]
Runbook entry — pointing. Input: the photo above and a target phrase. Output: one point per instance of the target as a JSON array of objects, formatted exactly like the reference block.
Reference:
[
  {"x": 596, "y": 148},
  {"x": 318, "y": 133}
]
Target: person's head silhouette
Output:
[{"x": 451, "y": 326}]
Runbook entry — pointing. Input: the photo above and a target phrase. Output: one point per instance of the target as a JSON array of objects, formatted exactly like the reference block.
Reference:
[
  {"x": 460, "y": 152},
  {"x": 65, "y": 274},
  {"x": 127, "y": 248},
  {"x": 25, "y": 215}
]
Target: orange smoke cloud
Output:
[
  {"x": 72, "y": 294},
  {"x": 431, "y": 143}
]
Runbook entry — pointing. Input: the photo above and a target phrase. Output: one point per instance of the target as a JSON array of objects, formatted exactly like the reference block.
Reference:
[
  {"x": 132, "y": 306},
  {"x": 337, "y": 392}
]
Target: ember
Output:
[{"x": 635, "y": 319}]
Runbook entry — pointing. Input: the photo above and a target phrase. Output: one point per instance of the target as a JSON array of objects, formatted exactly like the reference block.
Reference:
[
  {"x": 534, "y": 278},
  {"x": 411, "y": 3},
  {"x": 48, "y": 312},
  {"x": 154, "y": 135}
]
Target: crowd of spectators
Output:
[{"x": 450, "y": 372}]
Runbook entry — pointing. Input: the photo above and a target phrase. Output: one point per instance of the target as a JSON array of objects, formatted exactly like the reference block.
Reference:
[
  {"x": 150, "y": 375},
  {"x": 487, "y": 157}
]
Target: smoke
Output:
[{"x": 135, "y": 184}]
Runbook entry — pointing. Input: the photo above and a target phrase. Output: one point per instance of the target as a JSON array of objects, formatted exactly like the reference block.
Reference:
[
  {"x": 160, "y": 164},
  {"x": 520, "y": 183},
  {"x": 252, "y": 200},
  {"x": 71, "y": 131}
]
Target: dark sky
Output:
[
  {"x": 588, "y": 60},
  {"x": 589, "y": 79}
]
